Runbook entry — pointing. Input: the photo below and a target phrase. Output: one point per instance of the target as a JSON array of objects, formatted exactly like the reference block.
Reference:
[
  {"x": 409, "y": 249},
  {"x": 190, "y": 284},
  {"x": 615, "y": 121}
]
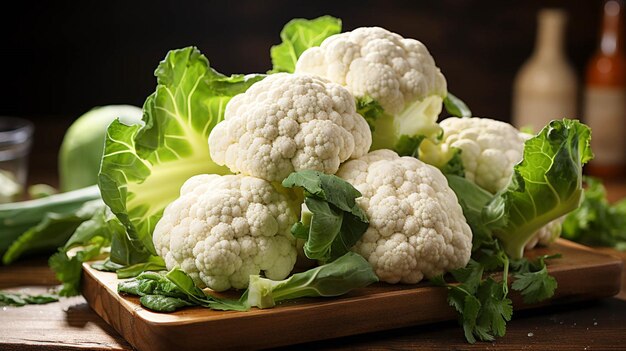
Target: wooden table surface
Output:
[{"x": 72, "y": 325}]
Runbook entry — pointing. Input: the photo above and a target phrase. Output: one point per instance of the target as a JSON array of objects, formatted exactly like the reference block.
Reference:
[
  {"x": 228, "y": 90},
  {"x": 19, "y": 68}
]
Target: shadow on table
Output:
[
  {"x": 79, "y": 314},
  {"x": 595, "y": 324}
]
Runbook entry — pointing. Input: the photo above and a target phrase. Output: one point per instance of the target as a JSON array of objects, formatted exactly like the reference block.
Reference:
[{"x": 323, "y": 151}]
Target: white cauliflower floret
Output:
[
  {"x": 417, "y": 228},
  {"x": 398, "y": 73},
  {"x": 489, "y": 149},
  {"x": 222, "y": 229},
  {"x": 287, "y": 123},
  {"x": 372, "y": 61}
]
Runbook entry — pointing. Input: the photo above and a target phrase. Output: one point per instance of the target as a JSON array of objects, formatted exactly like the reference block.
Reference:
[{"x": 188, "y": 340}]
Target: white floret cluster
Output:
[
  {"x": 417, "y": 228},
  {"x": 288, "y": 123},
  {"x": 489, "y": 149},
  {"x": 372, "y": 61},
  {"x": 222, "y": 229}
]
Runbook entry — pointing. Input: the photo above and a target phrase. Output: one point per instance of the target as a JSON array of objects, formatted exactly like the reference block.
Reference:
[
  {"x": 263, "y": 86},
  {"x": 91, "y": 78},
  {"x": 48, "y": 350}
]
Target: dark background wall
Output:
[{"x": 58, "y": 59}]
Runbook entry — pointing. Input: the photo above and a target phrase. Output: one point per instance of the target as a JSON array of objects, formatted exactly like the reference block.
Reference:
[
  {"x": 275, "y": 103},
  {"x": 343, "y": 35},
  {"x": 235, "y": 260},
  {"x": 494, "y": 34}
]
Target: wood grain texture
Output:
[
  {"x": 68, "y": 324},
  {"x": 582, "y": 274},
  {"x": 30, "y": 272}
]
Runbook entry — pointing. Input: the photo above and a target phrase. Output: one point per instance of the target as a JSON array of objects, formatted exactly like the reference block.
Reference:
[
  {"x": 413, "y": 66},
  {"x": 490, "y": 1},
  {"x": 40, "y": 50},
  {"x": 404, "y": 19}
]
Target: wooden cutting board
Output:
[{"x": 582, "y": 274}]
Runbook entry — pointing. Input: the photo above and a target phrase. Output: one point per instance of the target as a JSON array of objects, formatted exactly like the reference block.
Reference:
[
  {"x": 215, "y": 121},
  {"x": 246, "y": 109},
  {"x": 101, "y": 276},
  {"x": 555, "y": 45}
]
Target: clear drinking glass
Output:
[{"x": 15, "y": 141}]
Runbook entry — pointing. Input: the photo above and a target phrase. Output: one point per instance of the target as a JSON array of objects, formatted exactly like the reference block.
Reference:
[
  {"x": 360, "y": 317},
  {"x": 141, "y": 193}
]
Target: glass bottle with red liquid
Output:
[{"x": 605, "y": 97}]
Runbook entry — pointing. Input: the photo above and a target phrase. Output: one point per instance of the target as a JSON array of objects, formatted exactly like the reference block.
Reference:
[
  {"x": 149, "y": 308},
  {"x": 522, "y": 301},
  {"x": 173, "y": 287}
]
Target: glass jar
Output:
[{"x": 15, "y": 142}]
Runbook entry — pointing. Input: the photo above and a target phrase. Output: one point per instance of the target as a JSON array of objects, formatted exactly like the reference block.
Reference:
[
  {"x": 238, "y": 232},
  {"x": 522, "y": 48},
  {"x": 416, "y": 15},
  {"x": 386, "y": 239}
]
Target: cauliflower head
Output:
[
  {"x": 398, "y": 73},
  {"x": 372, "y": 61},
  {"x": 222, "y": 229},
  {"x": 287, "y": 123},
  {"x": 417, "y": 228},
  {"x": 489, "y": 149}
]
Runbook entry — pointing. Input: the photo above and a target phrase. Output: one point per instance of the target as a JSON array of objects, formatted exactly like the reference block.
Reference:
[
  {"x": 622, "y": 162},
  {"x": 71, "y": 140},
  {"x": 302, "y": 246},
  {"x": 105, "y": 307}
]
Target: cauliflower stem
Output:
[
  {"x": 348, "y": 272},
  {"x": 418, "y": 119}
]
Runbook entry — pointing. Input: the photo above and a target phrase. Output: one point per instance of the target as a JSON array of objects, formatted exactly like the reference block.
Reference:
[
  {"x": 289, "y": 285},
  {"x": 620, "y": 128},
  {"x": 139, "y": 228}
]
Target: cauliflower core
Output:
[
  {"x": 375, "y": 62},
  {"x": 489, "y": 149},
  {"x": 287, "y": 123},
  {"x": 222, "y": 229},
  {"x": 417, "y": 228}
]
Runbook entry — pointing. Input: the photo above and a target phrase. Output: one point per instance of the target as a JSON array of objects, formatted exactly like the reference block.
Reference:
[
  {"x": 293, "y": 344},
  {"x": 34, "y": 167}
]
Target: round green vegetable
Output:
[{"x": 83, "y": 144}]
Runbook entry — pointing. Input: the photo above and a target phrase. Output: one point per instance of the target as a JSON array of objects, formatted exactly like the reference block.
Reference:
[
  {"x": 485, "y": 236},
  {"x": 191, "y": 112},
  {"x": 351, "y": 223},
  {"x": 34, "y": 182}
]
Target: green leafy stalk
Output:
[
  {"x": 297, "y": 36},
  {"x": 546, "y": 184},
  {"x": 20, "y": 219},
  {"x": 348, "y": 272},
  {"x": 143, "y": 167},
  {"x": 53, "y": 231},
  {"x": 336, "y": 221}
]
